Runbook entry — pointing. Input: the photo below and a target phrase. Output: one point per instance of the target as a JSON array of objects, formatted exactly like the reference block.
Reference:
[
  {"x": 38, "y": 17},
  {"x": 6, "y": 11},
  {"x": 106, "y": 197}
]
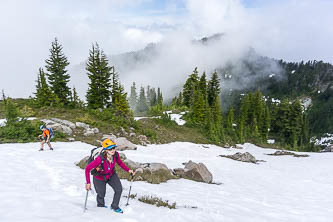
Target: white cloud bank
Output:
[{"x": 291, "y": 30}]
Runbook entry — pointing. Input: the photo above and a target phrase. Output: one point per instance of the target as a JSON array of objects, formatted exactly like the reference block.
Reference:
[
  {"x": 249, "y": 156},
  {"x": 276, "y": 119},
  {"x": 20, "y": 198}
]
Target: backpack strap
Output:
[{"x": 102, "y": 163}]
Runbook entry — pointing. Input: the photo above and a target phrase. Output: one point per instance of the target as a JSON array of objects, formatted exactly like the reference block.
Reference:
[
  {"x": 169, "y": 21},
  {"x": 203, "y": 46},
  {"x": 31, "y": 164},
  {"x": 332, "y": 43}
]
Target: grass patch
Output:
[{"x": 157, "y": 202}]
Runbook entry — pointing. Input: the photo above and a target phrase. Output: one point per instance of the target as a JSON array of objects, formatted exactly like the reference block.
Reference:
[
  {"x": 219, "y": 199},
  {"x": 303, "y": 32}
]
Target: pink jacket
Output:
[{"x": 108, "y": 167}]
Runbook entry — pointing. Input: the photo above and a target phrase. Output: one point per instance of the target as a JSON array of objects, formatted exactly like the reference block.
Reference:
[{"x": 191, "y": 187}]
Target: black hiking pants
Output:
[{"x": 100, "y": 187}]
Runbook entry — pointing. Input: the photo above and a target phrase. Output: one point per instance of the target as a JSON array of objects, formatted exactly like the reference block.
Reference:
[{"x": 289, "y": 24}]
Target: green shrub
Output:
[{"x": 20, "y": 131}]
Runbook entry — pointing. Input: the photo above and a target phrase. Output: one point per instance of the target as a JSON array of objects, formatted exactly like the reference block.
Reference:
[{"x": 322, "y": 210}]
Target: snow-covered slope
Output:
[{"x": 47, "y": 186}]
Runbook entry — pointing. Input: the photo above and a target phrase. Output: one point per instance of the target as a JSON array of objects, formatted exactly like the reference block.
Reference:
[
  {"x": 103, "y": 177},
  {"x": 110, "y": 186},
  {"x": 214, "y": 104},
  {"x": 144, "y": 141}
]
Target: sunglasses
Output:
[{"x": 112, "y": 147}]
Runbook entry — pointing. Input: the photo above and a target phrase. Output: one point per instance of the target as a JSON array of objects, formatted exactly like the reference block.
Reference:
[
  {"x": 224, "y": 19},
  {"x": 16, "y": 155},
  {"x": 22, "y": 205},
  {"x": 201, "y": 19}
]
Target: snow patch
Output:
[
  {"x": 3, "y": 121},
  {"x": 51, "y": 188},
  {"x": 271, "y": 141}
]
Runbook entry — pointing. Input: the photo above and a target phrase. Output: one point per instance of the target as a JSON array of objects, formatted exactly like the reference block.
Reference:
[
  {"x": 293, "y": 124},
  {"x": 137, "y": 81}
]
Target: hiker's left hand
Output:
[{"x": 132, "y": 172}]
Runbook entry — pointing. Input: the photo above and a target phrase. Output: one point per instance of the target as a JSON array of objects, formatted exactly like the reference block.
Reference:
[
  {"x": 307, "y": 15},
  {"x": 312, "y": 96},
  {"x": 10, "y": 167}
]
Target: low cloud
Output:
[{"x": 290, "y": 30}]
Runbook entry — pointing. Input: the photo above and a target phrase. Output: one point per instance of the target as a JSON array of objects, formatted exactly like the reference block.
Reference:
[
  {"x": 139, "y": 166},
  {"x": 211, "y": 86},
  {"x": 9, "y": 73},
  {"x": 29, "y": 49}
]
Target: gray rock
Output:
[
  {"x": 197, "y": 172},
  {"x": 71, "y": 139},
  {"x": 283, "y": 153},
  {"x": 139, "y": 170},
  {"x": 131, "y": 164},
  {"x": 64, "y": 122},
  {"x": 243, "y": 157},
  {"x": 82, "y": 125},
  {"x": 109, "y": 136},
  {"x": 132, "y": 134},
  {"x": 124, "y": 144},
  {"x": 83, "y": 163},
  {"x": 89, "y": 132},
  {"x": 155, "y": 166},
  {"x": 179, "y": 172},
  {"x": 57, "y": 127},
  {"x": 95, "y": 130}
]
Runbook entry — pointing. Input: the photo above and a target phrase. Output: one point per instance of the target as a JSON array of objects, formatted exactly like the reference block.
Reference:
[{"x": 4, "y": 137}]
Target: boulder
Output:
[
  {"x": 64, "y": 122},
  {"x": 131, "y": 164},
  {"x": 179, "y": 172},
  {"x": 243, "y": 157},
  {"x": 88, "y": 132},
  {"x": 82, "y": 125},
  {"x": 58, "y": 126},
  {"x": 109, "y": 136},
  {"x": 283, "y": 153},
  {"x": 124, "y": 144},
  {"x": 197, "y": 172},
  {"x": 155, "y": 166},
  {"x": 83, "y": 163},
  {"x": 95, "y": 130}
]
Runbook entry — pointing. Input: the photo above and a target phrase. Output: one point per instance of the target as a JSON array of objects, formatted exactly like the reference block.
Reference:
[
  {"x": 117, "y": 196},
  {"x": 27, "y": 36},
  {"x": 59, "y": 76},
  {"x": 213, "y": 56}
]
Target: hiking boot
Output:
[
  {"x": 51, "y": 148},
  {"x": 118, "y": 210},
  {"x": 41, "y": 150}
]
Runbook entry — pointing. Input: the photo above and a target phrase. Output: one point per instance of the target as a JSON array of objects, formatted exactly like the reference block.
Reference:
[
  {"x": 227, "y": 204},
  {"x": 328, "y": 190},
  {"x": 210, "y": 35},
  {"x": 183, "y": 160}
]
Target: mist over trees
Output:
[{"x": 249, "y": 116}]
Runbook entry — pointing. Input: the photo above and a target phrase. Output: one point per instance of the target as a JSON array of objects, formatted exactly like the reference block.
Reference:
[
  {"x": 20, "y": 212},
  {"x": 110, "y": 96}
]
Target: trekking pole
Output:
[
  {"x": 85, "y": 203},
  {"x": 129, "y": 193}
]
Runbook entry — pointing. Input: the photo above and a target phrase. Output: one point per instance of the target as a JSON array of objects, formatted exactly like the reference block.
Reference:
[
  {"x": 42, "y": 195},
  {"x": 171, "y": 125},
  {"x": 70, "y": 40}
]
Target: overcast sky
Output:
[{"x": 292, "y": 30}]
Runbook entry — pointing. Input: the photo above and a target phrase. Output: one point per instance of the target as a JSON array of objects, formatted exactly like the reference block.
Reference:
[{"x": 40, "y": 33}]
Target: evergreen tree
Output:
[
  {"x": 159, "y": 98},
  {"x": 43, "y": 95},
  {"x": 198, "y": 108},
  {"x": 76, "y": 100},
  {"x": 229, "y": 122},
  {"x": 120, "y": 103},
  {"x": 115, "y": 85},
  {"x": 57, "y": 73},
  {"x": 153, "y": 97},
  {"x": 216, "y": 121},
  {"x": 213, "y": 89},
  {"x": 189, "y": 88},
  {"x": 243, "y": 131},
  {"x": 148, "y": 96},
  {"x": 99, "y": 73},
  {"x": 142, "y": 103},
  {"x": 133, "y": 100}
]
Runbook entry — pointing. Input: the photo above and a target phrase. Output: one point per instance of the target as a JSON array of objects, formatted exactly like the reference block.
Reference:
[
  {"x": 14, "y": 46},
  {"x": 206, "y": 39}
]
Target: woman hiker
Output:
[
  {"x": 106, "y": 175},
  {"x": 45, "y": 138}
]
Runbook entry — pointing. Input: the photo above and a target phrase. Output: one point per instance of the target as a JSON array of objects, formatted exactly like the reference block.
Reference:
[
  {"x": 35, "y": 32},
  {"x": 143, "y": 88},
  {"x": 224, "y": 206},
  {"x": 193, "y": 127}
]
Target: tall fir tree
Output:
[
  {"x": 142, "y": 103},
  {"x": 57, "y": 74},
  {"x": 76, "y": 102},
  {"x": 189, "y": 88},
  {"x": 115, "y": 85},
  {"x": 213, "y": 89},
  {"x": 120, "y": 103},
  {"x": 43, "y": 95},
  {"x": 133, "y": 99},
  {"x": 153, "y": 97},
  {"x": 159, "y": 98},
  {"x": 99, "y": 73}
]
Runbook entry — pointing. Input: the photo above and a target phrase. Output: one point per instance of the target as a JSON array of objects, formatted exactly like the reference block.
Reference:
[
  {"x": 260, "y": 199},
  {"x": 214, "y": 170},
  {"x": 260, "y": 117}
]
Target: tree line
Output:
[
  {"x": 256, "y": 118},
  {"x": 104, "y": 92}
]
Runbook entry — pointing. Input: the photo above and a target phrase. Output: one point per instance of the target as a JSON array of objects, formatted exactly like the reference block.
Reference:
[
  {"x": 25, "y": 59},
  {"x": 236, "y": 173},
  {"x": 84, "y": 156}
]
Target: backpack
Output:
[
  {"x": 94, "y": 153},
  {"x": 51, "y": 132}
]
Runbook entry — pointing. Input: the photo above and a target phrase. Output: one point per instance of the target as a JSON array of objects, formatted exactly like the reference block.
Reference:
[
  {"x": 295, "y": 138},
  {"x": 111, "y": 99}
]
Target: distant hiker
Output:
[
  {"x": 45, "y": 137},
  {"x": 105, "y": 174}
]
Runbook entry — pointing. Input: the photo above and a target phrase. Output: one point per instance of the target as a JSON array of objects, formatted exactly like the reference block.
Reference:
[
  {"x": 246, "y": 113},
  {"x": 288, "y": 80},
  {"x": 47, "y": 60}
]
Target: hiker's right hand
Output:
[{"x": 88, "y": 186}]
